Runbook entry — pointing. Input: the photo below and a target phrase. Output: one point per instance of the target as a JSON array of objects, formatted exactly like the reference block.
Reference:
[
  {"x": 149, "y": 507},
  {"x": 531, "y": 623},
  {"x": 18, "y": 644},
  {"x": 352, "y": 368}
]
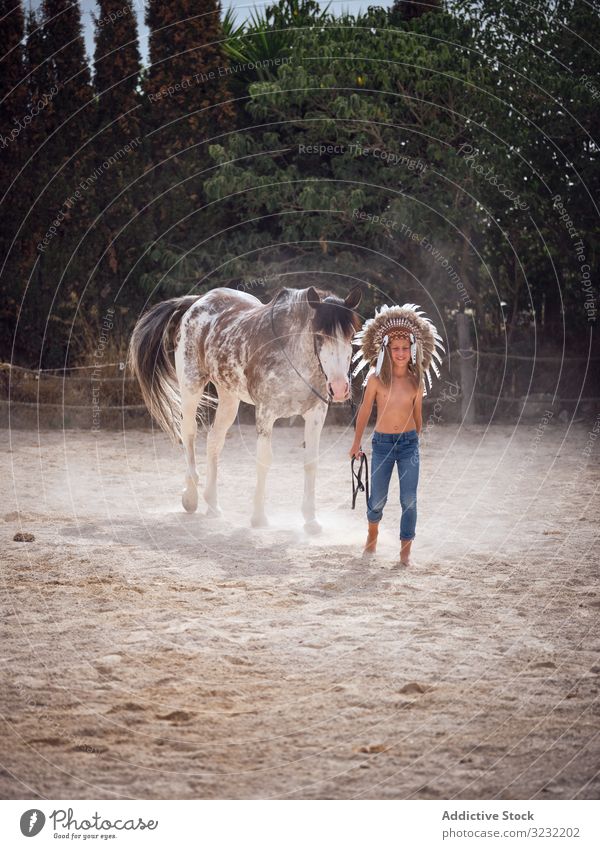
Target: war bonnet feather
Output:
[{"x": 390, "y": 322}]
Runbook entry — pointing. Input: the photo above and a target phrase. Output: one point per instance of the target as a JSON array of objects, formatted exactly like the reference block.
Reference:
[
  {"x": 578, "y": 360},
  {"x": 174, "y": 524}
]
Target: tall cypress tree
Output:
[
  {"x": 407, "y": 10},
  {"x": 117, "y": 66},
  {"x": 187, "y": 97},
  {"x": 187, "y": 74},
  {"x": 61, "y": 158},
  {"x": 13, "y": 92},
  {"x": 41, "y": 91},
  {"x": 119, "y": 234},
  {"x": 41, "y": 79},
  {"x": 14, "y": 126},
  {"x": 73, "y": 105}
]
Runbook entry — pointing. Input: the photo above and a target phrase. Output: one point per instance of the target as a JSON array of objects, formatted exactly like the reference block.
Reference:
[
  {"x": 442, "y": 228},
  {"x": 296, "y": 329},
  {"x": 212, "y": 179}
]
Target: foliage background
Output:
[{"x": 424, "y": 110}]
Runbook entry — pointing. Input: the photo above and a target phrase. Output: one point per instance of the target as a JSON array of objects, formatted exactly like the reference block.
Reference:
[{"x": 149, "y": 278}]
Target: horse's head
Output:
[{"x": 334, "y": 325}]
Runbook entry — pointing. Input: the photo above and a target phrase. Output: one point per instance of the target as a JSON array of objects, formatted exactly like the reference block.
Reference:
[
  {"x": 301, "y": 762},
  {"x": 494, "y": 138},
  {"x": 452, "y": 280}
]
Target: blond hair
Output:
[{"x": 414, "y": 368}]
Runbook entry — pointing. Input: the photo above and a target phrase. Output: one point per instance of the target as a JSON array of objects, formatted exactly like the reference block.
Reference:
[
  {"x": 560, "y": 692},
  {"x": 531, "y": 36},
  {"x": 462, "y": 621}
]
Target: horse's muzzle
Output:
[{"x": 339, "y": 392}]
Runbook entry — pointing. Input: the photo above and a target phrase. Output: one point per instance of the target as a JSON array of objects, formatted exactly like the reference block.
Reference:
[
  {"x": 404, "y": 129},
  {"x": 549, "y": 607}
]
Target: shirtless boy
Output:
[{"x": 398, "y": 394}]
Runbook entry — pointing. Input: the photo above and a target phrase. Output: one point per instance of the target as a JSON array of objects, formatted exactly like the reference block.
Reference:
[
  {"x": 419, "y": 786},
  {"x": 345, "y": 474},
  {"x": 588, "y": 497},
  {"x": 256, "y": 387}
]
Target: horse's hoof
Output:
[
  {"x": 259, "y": 522},
  {"x": 190, "y": 501},
  {"x": 312, "y": 527},
  {"x": 214, "y": 512}
]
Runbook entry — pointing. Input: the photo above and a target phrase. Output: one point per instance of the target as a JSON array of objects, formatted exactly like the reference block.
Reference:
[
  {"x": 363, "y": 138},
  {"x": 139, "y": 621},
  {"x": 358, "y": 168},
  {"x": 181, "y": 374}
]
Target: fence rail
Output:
[
  {"x": 64, "y": 374},
  {"x": 426, "y": 400},
  {"x": 463, "y": 354}
]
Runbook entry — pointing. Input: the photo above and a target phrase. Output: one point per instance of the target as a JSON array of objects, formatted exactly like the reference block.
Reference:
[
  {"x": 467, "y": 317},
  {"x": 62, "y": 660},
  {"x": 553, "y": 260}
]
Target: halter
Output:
[
  {"x": 350, "y": 386},
  {"x": 301, "y": 376}
]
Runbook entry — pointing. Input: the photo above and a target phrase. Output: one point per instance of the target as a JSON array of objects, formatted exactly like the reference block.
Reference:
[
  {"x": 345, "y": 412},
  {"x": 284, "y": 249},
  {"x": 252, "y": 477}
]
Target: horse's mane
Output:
[
  {"x": 331, "y": 316},
  {"x": 279, "y": 295}
]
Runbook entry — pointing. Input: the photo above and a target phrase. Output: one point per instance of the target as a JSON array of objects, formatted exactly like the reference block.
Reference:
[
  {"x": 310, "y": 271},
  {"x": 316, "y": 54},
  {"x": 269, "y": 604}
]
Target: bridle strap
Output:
[{"x": 301, "y": 376}]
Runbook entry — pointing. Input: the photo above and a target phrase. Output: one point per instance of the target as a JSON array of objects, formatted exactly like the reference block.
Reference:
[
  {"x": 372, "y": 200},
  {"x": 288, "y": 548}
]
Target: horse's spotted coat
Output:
[{"x": 285, "y": 357}]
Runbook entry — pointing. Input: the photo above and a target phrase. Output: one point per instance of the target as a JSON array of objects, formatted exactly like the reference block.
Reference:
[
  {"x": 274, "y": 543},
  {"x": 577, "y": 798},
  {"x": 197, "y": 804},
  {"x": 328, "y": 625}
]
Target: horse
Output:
[{"x": 290, "y": 356}]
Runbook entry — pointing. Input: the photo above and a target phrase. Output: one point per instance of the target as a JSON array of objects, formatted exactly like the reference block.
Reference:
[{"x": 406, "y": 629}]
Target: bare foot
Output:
[
  {"x": 370, "y": 547},
  {"x": 405, "y": 546},
  {"x": 371, "y": 543}
]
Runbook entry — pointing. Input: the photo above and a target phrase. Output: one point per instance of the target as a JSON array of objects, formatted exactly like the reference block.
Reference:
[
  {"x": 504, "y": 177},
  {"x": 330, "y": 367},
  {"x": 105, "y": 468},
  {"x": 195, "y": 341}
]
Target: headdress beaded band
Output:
[{"x": 390, "y": 322}]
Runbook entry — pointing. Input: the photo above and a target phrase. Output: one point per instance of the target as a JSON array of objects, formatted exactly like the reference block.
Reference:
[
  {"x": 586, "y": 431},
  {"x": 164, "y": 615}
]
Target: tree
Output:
[
  {"x": 120, "y": 235},
  {"x": 187, "y": 77},
  {"x": 361, "y": 120},
  {"x": 404, "y": 11},
  {"x": 188, "y": 105},
  {"x": 58, "y": 160},
  {"x": 117, "y": 68},
  {"x": 74, "y": 101},
  {"x": 13, "y": 91},
  {"x": 15, "y": 121},
  {"x": 540, "y": 133}
]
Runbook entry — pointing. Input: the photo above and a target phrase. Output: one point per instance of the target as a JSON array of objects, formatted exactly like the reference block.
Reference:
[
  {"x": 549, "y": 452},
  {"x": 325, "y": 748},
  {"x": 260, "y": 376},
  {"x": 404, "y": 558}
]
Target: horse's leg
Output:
[
  {"x": 225, "y": 416},
  {"x": 264, "y": 456},
  {"x": 189, "y": 428},
  {"x": 191, "y": 386},
  {"x": 313, "y": 425}
]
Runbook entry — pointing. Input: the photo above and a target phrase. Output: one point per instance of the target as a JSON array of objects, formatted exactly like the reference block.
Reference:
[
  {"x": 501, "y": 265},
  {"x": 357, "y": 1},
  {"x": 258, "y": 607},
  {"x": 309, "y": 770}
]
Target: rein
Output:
[
  {"x": 357, "y": 479},
  {"x": 301, "y": 376}
]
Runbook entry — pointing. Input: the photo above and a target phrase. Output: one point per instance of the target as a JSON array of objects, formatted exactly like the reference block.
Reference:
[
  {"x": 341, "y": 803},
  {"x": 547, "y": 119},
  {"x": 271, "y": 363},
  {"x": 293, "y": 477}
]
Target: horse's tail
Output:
[{"x": 151, "y": 356}]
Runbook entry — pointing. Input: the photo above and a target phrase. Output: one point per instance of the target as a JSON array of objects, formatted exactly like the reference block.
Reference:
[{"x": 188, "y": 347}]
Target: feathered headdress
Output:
[{"x": 390, "y": 322}]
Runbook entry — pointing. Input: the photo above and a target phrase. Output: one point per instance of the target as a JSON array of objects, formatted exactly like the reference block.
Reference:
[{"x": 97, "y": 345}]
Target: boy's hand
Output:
[{"x": 355, "y": 451}]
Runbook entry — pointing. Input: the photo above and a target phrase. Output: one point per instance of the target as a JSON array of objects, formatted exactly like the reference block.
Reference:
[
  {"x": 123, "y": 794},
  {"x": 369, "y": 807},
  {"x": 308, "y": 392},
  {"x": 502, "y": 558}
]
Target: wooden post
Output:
[{"x": 467, "y": 367}]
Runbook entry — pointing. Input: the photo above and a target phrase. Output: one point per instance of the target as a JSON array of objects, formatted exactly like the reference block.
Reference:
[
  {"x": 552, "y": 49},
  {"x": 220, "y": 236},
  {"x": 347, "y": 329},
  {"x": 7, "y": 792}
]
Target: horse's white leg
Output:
[
  {"x": 264, "y": 456},
  {"x": 191, "y": 386},
  {"x": 313, "y": 425},
  {"x": 189, "y": 428},
  {"x": 225, "y": 416}
]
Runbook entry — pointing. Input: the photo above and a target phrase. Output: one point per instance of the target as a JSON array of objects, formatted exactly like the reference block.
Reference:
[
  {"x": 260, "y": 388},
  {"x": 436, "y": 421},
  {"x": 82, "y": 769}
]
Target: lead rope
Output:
[{"x": 359, "y": 486}]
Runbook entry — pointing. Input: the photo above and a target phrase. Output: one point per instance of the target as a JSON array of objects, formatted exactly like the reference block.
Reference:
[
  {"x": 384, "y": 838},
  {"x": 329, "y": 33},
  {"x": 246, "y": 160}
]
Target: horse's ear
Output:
[
  {"x": 353, "y": 298},
  {"x": 312, "y": 296}
]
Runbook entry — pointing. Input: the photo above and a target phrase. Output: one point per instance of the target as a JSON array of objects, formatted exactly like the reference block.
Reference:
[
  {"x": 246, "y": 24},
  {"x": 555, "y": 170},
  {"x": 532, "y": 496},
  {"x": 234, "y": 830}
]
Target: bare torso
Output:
[{"x": 395, "y": 405}]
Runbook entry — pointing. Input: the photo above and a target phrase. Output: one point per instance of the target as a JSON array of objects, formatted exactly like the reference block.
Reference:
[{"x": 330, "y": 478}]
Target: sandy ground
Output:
[{"x": 151, "y": 654}]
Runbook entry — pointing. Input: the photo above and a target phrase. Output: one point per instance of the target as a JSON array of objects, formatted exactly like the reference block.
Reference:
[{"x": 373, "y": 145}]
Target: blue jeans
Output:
[{"x": 389, "y": 450}]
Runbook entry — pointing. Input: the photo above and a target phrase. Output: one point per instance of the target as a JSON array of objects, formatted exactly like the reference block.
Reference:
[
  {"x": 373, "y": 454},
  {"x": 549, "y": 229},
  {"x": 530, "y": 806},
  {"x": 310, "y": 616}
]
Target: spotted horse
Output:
[{"x": 288, "y": 357}]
